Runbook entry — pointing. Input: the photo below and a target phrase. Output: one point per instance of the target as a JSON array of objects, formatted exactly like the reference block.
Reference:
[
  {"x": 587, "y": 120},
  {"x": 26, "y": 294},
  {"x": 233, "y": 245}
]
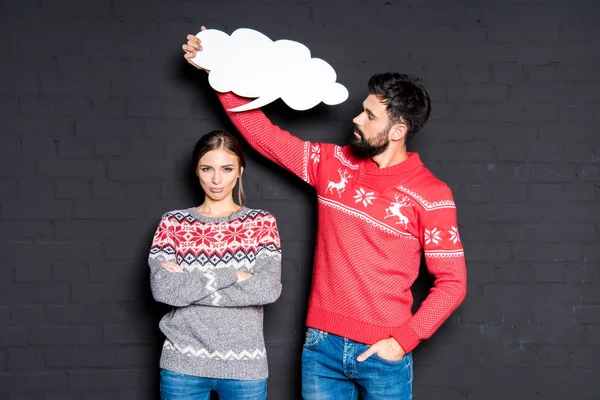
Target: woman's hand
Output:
[
  {"x": 242, "y": 276},
  {"x": 171, "y": 266}
]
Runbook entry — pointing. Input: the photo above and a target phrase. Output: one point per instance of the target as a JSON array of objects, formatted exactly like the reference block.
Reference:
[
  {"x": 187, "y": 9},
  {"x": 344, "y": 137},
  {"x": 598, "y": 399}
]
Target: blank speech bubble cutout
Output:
[{"x": 250, "y": 64}]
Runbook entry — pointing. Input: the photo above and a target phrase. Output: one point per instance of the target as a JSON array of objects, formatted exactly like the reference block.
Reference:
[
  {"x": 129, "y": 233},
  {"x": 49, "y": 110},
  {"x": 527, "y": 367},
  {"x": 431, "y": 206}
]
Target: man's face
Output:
[{"x": 371, "y": 129}]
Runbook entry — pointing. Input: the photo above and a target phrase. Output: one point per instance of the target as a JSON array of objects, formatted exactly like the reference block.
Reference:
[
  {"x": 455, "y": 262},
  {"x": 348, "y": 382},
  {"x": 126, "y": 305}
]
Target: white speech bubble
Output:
[{"x": 251, "y": 65}]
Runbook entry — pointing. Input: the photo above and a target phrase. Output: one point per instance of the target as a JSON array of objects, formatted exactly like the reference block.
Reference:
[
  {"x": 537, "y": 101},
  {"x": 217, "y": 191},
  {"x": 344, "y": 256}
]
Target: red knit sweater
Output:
[{"x": 373, "y": 226}]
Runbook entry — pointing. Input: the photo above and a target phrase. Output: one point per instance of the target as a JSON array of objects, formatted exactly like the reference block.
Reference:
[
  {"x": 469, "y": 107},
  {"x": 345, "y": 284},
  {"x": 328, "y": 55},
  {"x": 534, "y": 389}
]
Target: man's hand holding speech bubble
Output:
[{"x": 251, "y": 65}]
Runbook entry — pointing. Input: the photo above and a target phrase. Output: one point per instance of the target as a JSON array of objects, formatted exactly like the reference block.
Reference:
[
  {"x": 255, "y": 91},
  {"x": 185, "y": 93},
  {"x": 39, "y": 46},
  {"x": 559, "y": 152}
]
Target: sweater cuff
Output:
[
  {"x": 406, "y": 337},
  {"x": 225, "y": 277}
]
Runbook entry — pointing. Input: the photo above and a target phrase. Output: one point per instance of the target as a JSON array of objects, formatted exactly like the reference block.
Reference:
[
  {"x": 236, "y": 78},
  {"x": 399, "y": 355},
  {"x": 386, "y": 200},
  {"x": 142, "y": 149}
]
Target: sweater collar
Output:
[
  {"x": 411, "y": 163},
  {"x": 215, "y": 220}
]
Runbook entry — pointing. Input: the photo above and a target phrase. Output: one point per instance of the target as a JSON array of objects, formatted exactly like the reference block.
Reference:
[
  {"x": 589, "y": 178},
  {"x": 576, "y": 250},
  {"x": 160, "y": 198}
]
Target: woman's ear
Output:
[{"x": 241, "y": 172}]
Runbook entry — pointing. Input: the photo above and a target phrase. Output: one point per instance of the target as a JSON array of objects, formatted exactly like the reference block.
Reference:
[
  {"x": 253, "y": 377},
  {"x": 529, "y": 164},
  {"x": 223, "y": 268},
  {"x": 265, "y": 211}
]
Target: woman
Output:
[{"x": 216, "y": 264}]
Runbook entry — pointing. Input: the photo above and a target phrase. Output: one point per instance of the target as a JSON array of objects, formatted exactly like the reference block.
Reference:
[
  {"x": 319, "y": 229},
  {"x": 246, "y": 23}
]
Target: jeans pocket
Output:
[
  {"x": 390, "y": 362},
  {"x": 313, "y": 337}
]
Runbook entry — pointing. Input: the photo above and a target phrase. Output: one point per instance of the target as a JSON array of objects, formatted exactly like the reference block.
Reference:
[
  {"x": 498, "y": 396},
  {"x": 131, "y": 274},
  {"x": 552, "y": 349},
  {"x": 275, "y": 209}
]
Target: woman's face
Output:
[{"x": 218, "y": 171}]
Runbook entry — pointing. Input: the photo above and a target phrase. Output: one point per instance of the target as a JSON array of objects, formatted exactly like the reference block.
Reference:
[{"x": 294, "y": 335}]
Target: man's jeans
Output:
[
  {"x": 330, "y": 371},
  {"x": 176, "y": 386}
]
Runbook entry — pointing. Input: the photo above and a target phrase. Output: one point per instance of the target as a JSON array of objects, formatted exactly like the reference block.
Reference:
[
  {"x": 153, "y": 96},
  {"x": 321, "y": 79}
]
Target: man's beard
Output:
[{"x": 368, "y": 148}]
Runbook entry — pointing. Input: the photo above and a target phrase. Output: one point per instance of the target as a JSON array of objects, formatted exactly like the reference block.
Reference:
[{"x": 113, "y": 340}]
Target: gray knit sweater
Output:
[{"x": 215, "y": 328}]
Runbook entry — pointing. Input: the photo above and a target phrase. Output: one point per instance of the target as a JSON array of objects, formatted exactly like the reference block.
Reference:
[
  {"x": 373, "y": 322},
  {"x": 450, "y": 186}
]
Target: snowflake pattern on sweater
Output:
[{"x": 197, "y": 245}]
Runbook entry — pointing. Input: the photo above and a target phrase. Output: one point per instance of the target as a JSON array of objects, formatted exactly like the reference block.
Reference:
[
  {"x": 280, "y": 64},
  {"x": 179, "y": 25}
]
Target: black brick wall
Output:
[{"x": 99, "y": 114}]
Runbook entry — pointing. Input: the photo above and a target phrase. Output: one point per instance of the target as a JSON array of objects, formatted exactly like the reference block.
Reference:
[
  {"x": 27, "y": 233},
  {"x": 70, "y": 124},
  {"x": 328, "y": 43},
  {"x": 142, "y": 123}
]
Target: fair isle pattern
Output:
[
  {"x": 316, "y": 153},
  {"x": 444, "y": 253},
  {"x": 432, "y": 236},
  {"x": 364, "y": 197},
  {"x": 238, "y": 259},
  {"x": 210, "y": 286},
  {"x": 339, "y": 154},
  {"x": 305, "y": 175},
  {"x": 436, "y": 236},
  {"x": 435, "y": 205},
  {"x": 363, "y": 216},
  {"x": 454, "y": 235},
  {"x": 184, "y": 214},
  {"x": 229, "y": 355},
  {"x": 269, "y": 247},
  {"x": 199, "y": 245}
]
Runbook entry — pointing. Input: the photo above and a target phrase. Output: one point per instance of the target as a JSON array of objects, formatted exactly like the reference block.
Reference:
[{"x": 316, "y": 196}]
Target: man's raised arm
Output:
[{"x": 297, "y": 156}]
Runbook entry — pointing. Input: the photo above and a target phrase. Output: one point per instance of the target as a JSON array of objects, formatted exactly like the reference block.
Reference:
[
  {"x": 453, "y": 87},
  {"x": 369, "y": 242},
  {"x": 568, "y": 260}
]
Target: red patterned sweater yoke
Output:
[{"x": 374, "y": 226}]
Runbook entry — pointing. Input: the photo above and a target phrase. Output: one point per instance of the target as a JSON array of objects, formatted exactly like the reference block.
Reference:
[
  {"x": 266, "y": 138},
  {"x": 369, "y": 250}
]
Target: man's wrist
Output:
[{"x": 406, "y": 337}]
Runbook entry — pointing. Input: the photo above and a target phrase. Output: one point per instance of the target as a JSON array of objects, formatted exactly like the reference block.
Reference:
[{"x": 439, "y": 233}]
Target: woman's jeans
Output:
[{"x": 176, "y": 386}]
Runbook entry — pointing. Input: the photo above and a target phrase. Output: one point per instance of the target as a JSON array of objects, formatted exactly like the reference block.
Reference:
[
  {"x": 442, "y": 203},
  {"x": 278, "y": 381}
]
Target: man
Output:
[{"x": 380, "y": 209}]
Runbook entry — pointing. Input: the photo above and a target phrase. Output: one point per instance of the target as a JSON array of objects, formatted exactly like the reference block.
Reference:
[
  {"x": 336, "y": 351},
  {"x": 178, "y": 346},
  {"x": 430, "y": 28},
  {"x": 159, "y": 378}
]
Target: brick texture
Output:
[{"x": 98, "y": 117}]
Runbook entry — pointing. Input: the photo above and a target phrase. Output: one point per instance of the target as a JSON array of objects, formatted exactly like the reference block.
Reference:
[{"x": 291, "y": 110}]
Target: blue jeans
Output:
[
  {"x": 330, "y": 371},
  {"x": 176, "y": 386}
]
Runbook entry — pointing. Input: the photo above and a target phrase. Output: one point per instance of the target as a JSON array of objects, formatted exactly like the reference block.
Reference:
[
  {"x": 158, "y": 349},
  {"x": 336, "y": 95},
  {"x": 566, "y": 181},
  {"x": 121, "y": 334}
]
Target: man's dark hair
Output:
[{"x": 405, "y": 97}]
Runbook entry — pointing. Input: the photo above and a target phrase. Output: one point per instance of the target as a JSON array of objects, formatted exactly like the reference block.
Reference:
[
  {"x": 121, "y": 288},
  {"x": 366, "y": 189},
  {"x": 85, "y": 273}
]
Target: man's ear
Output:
[{"x": 398, "y": 131}]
